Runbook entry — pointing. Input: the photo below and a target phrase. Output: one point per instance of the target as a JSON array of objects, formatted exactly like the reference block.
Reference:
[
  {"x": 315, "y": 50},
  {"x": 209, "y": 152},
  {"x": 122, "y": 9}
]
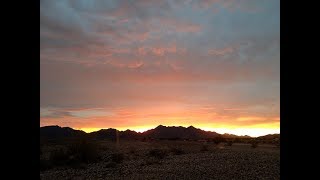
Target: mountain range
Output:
[{"x": 160, "y": 132}]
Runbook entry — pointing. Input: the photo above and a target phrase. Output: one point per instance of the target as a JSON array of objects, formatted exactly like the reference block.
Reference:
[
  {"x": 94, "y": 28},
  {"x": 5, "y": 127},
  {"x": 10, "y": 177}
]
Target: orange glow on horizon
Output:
[
  {"x": 141, "y": 119},
  {"x": 253, "y": 131}
]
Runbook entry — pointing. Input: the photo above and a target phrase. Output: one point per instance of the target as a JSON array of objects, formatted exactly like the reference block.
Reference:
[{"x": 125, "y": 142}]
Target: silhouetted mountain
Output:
[
  {"x": 178, "y": 132},
  {"x": 270, "y": 137},
  {"x": 54, "y": 132},
  {"x": 128, "y": 134},
  {"x": 104, "y": 134},
  {"x": 160, "y": 132},
  {"x": 226, "y": 135}
]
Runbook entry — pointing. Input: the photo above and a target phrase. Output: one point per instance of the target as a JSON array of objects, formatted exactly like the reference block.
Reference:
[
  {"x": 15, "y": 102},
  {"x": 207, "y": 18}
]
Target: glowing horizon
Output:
[{"x": 250, "y": 131}]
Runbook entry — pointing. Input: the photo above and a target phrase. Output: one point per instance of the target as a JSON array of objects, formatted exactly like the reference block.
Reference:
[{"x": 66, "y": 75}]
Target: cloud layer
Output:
[{"x": 147, "y": 55}]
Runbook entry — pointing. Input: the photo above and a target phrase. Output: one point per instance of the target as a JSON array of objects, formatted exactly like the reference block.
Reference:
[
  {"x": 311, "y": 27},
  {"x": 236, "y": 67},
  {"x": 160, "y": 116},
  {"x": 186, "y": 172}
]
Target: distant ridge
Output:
[
  {"x": 54, "y": 132},
  {"x": 178, "y": 132},
  {"x": 160, "y": 132}
]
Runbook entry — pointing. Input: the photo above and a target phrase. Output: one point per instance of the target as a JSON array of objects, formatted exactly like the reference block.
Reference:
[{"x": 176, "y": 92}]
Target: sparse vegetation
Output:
[
  {"x": 204, "y": 148},
  {"x": 111, "y": 165},
  {"x": 158, "y": 153},
  {"x": 75, "y": 155},
  {"x": 151, "y": 161},
  {"x": 254, "y": 144},
  {"x": 177, "y": 151},
  {"x": 162, "y": 155},
  {"x": 132, "y": 150},
  {"x": 218, "y": 140},
  {"x": 84, "y": 152},
  {"x": 92, "y": 158},
  {"x": 229, "y": 143},
  {"x": 117, "y": 158},
  {"x": 59, "y": 157},
  {"x": 44, "y": 165}
]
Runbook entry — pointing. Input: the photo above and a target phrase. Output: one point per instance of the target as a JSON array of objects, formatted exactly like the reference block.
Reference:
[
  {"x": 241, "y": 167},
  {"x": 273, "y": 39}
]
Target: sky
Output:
[{"x": 136, "y": 64}]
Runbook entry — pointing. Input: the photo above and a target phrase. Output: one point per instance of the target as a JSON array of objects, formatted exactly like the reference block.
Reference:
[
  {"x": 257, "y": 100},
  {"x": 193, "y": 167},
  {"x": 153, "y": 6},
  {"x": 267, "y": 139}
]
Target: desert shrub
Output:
[
  {"x": 111, "y": 165},
  {"x": 132, "y": 150},
  {"x": 204, "y": 148},
  {"x": 254, "y": 144},
  {"x": 229, "y": 143},
  {"x": 117, "y": 157},
  {"x": 44, "y": 164},
  {"x": 59, "y": 157},
  {"x": 104, "y": 148},
  {"x": 74, "y": 155},
  {"x": 151, "y": 161},
  {"x": 218, "y": 140},
  {"x": 84, "y": 152},
  {"x": 157, "y": 153},
  {"x": 177, "y": 151}
]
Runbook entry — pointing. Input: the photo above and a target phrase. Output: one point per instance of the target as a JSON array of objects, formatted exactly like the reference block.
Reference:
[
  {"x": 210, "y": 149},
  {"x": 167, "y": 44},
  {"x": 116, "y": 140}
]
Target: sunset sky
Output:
[{"x": 136, "y": 64}]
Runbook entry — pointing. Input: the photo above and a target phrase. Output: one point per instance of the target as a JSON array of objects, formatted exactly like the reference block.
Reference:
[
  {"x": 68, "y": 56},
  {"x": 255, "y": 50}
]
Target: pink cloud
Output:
[
  {"x": 142, "y": 51},
  {"x": 221, "y": 52},
  {"x": 160, "y": 51},
  {"x": 120, "y": 50},
  {"x": 122, "y": 21},
  {"x": 230, "y": 5},
  {"x": 124, "y": 63},
  {"x": 179, "y": 25}
]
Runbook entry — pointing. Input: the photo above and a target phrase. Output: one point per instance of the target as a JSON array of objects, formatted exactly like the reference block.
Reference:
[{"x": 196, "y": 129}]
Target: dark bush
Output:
[
  {"x": 76, "y": 155},
  {"x": 218, "y": 140},
  {"x": 111, "y": 165},
  {"x": 151, "y": 161},
  {"x": 117, "y": 157},
  {"x": 177, "y": 151},
  {"x": 44, "y": 165},
  {"x": 229, "y": 143},
  {"x": 158, "y": 153},
  {"x": 59, "y": 157},
  {"x": 204, "y": 148},
  {"x": 84, "y": 151},
  {"x": 132, "y": 150},
  {"x": 254, "y": 144}
]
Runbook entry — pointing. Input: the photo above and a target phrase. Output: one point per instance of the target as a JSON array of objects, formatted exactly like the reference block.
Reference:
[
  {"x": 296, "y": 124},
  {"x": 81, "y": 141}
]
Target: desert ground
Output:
[{"x": 163, "y": 159}]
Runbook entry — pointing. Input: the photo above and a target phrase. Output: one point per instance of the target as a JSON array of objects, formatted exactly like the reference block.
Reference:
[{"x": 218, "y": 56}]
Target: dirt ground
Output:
[{"x": 177, "y": 160}]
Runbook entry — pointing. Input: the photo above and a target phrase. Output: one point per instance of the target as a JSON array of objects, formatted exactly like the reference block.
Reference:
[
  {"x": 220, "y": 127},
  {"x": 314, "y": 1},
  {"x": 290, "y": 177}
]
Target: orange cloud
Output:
[
  {"x": 250, "y": 118},
  {"x": 233, "y": 109}
]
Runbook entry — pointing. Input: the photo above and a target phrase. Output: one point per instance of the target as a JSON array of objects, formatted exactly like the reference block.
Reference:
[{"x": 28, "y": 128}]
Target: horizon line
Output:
[{"x": 142, "y": 131}]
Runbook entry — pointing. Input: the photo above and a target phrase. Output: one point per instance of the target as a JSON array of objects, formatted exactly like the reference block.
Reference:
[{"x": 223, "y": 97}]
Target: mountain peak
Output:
[{"x": 160, "y": 126}]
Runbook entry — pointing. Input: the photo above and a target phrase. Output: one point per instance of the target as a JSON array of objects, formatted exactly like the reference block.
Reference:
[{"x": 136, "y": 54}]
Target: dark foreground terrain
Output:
[{"x": 161, "y": 159}]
